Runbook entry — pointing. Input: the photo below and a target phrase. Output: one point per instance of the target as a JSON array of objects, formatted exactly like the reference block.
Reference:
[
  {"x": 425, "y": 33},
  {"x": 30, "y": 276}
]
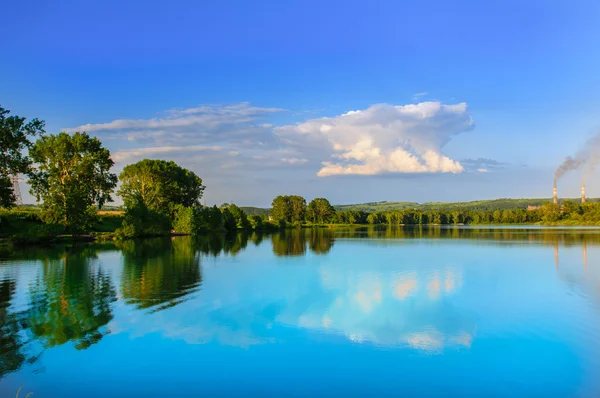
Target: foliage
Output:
[
  {"x": 255, "y": 211},
  {"x": 290, "y": 208},
  {"x": 72, "y": 176},
  {"x": 140, "y": 221},
  {"x": 241, "y": 219},
  {"x": 160, "y": 185},
  {"x": 14, "y": 140},
  {"x": 108, "y": 221},
  {"x": 351, "y": 217},
  {"x": 320, "y": 211},
  {"x": 256, "y": 222},
  {"x": 478, "y": 205},
  {"x": 229, "y": 222},
  {"x": 185, "y": 220},
  {"x": 37, "y": 233}
]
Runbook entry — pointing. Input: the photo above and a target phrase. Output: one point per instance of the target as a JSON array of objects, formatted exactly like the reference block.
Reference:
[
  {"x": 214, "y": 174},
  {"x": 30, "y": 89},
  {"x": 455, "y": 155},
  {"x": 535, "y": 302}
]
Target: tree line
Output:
[{"x": 70, "y": 175}]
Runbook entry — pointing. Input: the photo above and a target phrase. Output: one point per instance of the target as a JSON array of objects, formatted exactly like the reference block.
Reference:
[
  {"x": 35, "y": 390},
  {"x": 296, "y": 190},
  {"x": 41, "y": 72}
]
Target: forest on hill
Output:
[{"x": 477, "y": 205}]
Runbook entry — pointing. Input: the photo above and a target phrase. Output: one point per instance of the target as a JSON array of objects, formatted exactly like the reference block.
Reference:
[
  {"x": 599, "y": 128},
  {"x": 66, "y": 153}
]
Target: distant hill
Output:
[
  {"x": 479, "y": 205},
  {"x": 255, "y": 211},
  {"x": 372, "y": 207}
]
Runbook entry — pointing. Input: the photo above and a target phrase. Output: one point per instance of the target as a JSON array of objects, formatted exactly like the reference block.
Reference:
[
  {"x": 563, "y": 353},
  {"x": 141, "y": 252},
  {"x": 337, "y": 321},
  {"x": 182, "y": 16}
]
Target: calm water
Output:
[{"x": 351, "y": 313}]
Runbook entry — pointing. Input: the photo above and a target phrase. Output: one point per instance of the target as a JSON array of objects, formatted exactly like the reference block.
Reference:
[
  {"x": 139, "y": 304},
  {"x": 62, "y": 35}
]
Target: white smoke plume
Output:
[{"x": 588, "y": 155}]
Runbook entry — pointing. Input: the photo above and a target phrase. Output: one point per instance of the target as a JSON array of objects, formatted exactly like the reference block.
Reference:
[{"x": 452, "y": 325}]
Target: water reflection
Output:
[
  {"x": 159, "y": 273},
  {"x": 12, "y": 355},
  {"x": 71, "y": 300},
  {"x": 498, "y": 235},
  {"x": 294, "y": 242},
  {"x": 405, "y": 291}
]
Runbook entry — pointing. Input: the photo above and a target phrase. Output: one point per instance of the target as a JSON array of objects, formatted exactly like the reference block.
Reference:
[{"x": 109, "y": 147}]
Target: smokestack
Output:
[
  {"x": 554, "y": 195},
  {"x": 582, "y": 193}
]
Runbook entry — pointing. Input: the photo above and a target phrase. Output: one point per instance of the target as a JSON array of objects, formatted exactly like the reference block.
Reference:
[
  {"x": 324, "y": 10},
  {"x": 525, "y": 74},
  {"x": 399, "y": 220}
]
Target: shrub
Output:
[
  {"x": 186, "y": 220},
  {"x": 37, "y": 233},
  {"x": 139, "y": 221}
]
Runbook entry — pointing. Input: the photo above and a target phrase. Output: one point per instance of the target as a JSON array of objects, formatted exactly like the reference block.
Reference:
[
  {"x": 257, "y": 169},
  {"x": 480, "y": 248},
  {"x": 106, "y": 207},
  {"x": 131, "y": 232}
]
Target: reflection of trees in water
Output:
[
  {"x": 69, "y": 301},
  {"x": 215, "y": 244},
  {"x": 12, "y": 346},
  {"x": 159, "y": 272},
  {"x": 321, "y": 240},
  {"x": 293, "y": 242},
  {"x": 72, "y": 301},
  {"x": 510, "y": 235}
]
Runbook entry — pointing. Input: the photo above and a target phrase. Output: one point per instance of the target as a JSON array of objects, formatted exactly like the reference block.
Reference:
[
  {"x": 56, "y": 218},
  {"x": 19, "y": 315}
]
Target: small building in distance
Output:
[{"x": 531, "y": 208}]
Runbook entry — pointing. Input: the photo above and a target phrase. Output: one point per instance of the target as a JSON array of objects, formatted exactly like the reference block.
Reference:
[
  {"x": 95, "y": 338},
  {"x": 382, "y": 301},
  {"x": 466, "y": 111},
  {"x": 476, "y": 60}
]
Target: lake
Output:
[{"x": 470, "y": 312}]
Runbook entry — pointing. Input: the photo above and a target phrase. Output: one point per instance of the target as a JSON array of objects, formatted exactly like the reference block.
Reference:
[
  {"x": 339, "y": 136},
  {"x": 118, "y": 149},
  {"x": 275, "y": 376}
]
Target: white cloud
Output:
[
  {"x": 240, "y": 123},
  {"x": 482, "y": 170},
  {"x": 138, "y": 153},
  {"x": 383, "y": 138},
  {"x": 294, "y": 160}
]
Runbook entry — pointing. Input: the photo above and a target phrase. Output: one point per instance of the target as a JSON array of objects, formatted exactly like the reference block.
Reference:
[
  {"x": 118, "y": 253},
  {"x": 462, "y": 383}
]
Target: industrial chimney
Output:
[
  {"x": 582, "y": 193},
  {"x": 554, "y": 195}
]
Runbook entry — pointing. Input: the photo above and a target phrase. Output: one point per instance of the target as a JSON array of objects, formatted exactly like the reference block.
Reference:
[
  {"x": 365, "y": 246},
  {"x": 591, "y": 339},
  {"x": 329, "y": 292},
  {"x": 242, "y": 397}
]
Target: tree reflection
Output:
[
  {"x": 159, "y": 273},
  {"x": 321, "y": 240},
  {"x": 509, "y": 235},
  {"x": 12, "y": 355},
  {"x": 71, "y": 301},
  {"x": 293, "y": 242}
]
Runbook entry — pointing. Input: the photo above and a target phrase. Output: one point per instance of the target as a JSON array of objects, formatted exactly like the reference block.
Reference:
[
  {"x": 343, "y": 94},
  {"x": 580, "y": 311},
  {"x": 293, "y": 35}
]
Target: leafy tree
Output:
[
  {"x": 14, "y": 139},
  {"x": 241, "y": 219},
  {"x": 290, "y": 208},
  {"x": 257, "y": 222},
  {"x": 281, "y": 209},
  {"x": 320, "y": 211},
  {"x": 229, "y": 222},
  {"x": 140, "y": 221},
  {"x": 72, "y": 175},
  {"x": 160, "y": 185}
]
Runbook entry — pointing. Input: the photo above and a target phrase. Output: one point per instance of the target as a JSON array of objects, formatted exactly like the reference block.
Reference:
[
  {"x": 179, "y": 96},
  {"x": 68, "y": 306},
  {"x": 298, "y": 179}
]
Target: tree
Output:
[
  {"x": 14, "y": 139},
  {"x": 71, "y": 177},
  {"x": 291, "y": 208},
  {"x": 229, "y": 222},
  {"x": 320, "y": 211},
  {"x": 160, "y": 185},
  {"x": 241, "y": 219},
  {"x": 281, "y": 209}
]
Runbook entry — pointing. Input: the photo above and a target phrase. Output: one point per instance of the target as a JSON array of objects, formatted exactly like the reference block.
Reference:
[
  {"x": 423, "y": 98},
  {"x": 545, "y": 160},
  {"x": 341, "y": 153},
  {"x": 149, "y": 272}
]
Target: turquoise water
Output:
[{"x": 311, "y": 313}]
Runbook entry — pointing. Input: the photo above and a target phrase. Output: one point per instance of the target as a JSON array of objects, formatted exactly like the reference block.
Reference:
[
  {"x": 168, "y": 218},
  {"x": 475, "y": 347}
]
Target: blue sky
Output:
[{"x": 237, "y": 91}]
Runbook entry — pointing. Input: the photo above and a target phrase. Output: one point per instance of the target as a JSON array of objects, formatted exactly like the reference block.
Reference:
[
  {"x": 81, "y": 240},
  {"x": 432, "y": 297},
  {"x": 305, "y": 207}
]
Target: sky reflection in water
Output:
[{"x": 473, "y": 312}]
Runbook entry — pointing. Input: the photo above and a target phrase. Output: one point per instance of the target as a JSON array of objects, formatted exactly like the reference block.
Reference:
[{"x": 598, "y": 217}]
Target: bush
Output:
[
  {"x": 186, "y": 220},
  {"x": 256, "y": 222},
  {"x": 139, "y": 221},
  {"x": 37, "y": 233}
]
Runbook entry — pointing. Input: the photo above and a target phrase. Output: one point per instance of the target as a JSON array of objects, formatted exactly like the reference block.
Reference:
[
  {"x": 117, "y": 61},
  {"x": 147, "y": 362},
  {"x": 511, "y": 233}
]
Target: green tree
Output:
[
  {"x": 320, "y": 211},
  {"x": 229, "y": 222},
  {"x": 71, "y": 177},
  {"x": 290, "y": 208},
  {"x": 14, "y": 140},
  {"x": 241, "y": 219},
  {"x": 160, "y": 185}
]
